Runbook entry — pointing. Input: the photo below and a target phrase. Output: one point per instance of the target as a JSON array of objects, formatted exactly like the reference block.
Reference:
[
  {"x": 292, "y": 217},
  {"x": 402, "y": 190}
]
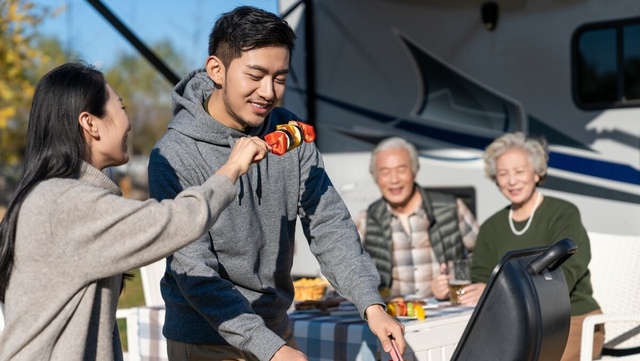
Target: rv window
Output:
[
  {"x": 631, "y": 51},
  {"x": 597, "y": 69},
  {"x": 606, "y": 65}
]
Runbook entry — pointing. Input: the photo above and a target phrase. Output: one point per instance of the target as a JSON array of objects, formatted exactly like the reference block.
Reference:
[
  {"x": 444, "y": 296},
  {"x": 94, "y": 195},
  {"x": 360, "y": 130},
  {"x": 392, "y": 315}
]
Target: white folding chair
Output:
[
  {"x": 615, "y": 274},
  {"x": 137, "y": 325},
  {"x": 151, "y": 276},
  {"x": 1, "y": 317}
]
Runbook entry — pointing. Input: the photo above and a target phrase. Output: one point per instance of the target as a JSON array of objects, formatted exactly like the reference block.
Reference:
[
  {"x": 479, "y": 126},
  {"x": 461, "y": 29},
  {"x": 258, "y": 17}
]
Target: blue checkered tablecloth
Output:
[
  {"x": 332, "y": 338},
  {"x": 327, "y": 337},
  {"x": 320, "y": 336}
]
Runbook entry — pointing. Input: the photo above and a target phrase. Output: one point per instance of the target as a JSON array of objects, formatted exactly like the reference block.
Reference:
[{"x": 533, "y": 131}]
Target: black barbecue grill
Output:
[{"x": 524, "y": 313}]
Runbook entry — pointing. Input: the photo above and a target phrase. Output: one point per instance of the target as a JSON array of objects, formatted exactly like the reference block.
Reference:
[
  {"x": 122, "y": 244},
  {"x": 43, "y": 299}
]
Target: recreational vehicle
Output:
[{"x": 452, "y": 75}]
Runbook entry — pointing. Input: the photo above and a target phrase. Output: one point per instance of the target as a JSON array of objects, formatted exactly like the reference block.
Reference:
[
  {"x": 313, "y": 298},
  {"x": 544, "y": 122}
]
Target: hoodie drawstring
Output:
[{"x": 255, "y": 177}]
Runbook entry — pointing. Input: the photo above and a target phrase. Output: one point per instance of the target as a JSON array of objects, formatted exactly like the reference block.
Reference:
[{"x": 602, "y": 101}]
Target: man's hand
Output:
[
  {"x": 383, "y": 326},
  {"x": 440, "y": 284},
  {"x": 286, "y": 353},
  {"x": 472, "y": 294}
]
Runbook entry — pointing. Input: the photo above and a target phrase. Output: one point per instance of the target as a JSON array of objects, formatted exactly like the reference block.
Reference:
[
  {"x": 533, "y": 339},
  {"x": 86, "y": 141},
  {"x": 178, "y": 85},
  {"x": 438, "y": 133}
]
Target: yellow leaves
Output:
[
  {"x": 19, "y": 12},
  {"x": 27, "y": 89},
  {"x": 13, "y": 9},
  {"x": 6, "y": 93},
  {"x": 17, "y": 38},
  {"x": 32, "y": 53},
  {"x": 20, "y": 58},
  {"x": 10, "y": 56},
  {"x": 5, "y": 115}
]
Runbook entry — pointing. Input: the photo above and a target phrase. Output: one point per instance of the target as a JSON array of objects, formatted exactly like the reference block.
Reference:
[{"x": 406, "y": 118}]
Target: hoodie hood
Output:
[{"x": 191, "y": 119}]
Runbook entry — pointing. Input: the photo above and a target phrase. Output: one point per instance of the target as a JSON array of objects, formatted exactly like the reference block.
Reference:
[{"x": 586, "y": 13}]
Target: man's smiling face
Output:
[{"x": 251, "y": 86}]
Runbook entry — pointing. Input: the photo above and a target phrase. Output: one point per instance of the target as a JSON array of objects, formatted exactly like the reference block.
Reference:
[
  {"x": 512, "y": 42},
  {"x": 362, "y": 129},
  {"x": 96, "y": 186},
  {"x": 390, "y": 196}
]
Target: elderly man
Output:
[{"x": 411, "y": 233}]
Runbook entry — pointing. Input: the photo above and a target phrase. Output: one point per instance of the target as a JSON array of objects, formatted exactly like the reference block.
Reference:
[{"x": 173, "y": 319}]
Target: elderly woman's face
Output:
[{"x": 516, "y": 176}]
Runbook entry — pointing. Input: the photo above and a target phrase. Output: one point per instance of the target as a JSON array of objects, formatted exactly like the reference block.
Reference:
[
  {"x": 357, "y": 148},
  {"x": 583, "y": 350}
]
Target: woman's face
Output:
[
  {"x": 114, "y": 127},
  {"x": 515, "y": 176}
]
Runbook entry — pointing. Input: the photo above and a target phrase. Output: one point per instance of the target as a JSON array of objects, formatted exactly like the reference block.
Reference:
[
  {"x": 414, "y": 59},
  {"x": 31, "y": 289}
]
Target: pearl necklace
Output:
[{"x": 513, "y": 229}]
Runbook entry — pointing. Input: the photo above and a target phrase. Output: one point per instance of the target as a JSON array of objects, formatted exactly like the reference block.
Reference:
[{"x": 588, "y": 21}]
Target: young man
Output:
[
  {"x": 227, "y": 294},
  {"x": 411, "y": 233}
]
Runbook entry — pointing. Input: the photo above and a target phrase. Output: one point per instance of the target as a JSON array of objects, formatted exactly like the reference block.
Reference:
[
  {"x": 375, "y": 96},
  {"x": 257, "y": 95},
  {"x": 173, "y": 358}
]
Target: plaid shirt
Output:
[{"x": 414, "y": 261}]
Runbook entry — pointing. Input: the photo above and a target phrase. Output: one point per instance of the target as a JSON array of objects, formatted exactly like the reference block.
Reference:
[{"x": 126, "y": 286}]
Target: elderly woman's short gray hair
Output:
[
  {"x": 394, "y": 143},
  {"x": 536, "y": 148}
]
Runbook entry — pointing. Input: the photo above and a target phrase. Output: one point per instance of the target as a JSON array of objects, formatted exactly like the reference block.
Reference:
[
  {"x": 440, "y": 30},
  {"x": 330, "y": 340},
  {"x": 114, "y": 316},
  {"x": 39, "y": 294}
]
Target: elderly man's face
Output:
[{"x": 394, "y": 176}]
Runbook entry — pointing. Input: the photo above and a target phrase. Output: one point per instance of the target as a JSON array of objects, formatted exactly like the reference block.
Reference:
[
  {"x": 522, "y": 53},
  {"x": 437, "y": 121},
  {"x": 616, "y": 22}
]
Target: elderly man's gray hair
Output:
[{"x": 394, "y": 143}]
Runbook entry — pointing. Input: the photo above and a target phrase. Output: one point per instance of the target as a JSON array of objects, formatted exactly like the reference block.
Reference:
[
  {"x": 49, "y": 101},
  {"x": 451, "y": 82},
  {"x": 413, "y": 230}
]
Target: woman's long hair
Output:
[{"x": 55, "y": 143}]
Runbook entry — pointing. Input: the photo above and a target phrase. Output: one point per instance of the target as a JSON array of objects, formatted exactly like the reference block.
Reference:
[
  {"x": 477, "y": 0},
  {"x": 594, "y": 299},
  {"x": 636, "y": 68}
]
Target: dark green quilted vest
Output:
[{"x": 444, "y": 232}]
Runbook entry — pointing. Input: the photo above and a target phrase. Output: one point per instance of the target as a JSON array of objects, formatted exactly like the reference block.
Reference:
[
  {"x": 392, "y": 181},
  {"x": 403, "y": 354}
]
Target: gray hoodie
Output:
[{"x": 234, "y": 286}]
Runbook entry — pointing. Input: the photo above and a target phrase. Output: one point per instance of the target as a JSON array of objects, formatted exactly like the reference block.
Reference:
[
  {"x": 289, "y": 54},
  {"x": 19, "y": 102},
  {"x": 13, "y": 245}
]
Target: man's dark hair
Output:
[{"x": 246, "y": 28}]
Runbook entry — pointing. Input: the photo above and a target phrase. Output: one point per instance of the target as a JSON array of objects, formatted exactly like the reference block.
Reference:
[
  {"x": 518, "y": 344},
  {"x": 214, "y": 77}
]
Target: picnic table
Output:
[{"x": 335, "y": 335}]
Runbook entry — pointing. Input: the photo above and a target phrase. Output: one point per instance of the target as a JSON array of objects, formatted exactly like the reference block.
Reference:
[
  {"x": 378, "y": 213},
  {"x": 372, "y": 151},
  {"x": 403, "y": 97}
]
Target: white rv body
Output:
[{"x": 399, "y": 67}]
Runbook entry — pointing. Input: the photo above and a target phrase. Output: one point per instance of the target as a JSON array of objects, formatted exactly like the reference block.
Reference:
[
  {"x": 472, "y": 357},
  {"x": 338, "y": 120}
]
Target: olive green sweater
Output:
[{"x": 553, "y": 221}]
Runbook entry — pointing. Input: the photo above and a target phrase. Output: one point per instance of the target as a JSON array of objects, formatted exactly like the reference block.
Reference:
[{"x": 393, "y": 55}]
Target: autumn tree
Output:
[
  {"x": 146, "y": 94},
  {"x": 19, "y": 57},
  {"x": 23, "y": 59}
]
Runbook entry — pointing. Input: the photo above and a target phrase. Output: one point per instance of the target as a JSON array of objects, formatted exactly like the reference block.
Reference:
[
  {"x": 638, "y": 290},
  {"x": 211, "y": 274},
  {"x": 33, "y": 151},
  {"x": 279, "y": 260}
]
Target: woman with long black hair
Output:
[{"x": 68, "y": 235}]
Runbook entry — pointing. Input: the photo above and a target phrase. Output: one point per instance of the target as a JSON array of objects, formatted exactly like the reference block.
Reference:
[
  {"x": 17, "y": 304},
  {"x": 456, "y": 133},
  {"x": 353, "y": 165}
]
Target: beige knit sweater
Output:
[{"x": 74, "y": 240}]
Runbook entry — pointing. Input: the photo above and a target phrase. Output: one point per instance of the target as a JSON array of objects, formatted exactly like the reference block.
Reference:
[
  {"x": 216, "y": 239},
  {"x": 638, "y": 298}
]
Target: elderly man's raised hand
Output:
[{"x": 440, "y": 284}]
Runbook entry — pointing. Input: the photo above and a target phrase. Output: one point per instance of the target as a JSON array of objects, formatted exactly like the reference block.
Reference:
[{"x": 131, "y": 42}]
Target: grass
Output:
[{"x": 132, "y": 296}]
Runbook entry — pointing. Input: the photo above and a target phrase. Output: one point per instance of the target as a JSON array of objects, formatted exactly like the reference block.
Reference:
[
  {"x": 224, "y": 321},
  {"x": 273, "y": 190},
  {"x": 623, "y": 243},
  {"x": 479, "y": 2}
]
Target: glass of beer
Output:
[{"x": 460, "y": 276}]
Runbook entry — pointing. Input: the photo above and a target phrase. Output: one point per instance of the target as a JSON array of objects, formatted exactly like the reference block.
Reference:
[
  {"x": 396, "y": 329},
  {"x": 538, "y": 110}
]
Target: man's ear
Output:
[
  {"x": 88, "y": 124},
  {"x": 215, "y": 69}
]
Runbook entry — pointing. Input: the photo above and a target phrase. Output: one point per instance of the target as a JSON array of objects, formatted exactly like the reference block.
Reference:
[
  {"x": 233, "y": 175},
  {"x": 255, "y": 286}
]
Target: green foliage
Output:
[
  {"x": 132, "y": 296},
  {"x": 26, "y": 55},
  {"x": 146, "y": 93}
]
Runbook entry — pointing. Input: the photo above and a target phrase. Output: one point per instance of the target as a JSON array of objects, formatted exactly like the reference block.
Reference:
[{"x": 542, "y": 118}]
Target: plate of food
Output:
[
  {"x": 403, "y": 309},
  {"x": 407, "y": 318}
]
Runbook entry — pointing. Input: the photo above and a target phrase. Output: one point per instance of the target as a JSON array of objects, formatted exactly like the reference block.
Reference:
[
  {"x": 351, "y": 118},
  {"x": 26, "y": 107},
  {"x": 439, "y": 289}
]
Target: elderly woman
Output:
[{"x": 518, "y": 165}]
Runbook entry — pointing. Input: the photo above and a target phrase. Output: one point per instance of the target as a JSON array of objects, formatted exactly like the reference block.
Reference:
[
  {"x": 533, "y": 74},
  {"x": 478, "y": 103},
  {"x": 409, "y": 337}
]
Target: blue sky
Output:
[{"x": 186, "y": 23}]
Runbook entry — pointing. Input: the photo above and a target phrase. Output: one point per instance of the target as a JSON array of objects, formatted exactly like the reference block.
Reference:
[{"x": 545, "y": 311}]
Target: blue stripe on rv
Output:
[
  {"x": 596, "y": 168},
  {"x": 591, "y": 167}
]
